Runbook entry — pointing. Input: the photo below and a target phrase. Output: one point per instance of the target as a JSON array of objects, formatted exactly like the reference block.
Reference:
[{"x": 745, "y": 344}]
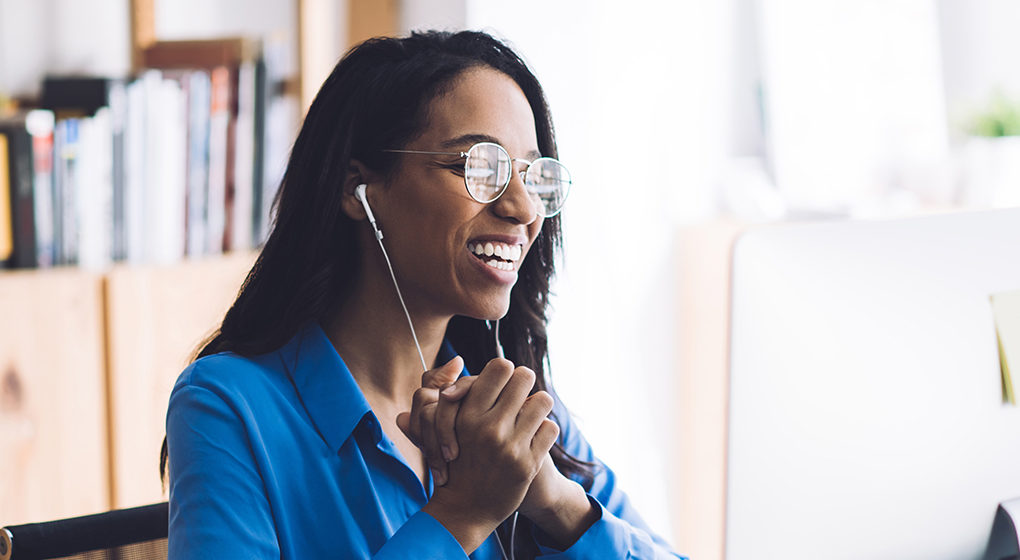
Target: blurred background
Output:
[{"x": 682, "y": 122}]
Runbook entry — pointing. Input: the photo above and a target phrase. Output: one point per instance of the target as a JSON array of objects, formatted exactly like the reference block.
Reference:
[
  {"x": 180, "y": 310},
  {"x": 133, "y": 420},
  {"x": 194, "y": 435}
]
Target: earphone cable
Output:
[{"x": 378, "y": 237}]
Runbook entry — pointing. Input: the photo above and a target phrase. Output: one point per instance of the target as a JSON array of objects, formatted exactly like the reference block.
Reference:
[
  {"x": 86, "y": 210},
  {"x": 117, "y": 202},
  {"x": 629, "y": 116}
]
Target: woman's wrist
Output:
[
  {"x": 568, "y": 517},
  {"x": 469, "y": 530}
]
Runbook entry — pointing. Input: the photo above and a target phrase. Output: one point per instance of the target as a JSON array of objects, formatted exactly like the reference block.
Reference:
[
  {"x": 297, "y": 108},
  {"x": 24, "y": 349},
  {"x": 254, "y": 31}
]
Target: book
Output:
[
  {"x": 76, "y": 96},
  {"x": 134, "y": 168},
  {"x": 65, "y": 190},
  {"x": 20, "y": 178},
  {"x": 219, "y": 132},
  {"x": 199, "y": 107},
  {"x": 39, "y": 124},
  {"x": 242, "y": 211},
  {"x": 6, "y": 228}
]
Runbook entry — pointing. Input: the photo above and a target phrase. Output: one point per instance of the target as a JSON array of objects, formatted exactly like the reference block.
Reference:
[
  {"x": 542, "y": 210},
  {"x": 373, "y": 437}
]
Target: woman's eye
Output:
[{"x": 455, "y": 166}]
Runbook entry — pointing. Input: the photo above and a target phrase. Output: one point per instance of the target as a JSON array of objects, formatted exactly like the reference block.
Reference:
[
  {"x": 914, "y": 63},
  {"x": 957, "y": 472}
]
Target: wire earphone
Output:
[{"x": 360, "y": 194}]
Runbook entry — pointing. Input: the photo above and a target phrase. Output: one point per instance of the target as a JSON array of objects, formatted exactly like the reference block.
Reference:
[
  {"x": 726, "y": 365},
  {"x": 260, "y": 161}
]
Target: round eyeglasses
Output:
[{"x": 488, "y": 169}]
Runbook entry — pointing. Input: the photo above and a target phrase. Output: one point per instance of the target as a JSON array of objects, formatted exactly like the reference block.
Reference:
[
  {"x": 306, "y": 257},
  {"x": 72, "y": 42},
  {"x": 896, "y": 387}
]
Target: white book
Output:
[
  {"x": 40, "y": 125},
  {"x": 168, "y": 165},
  {"x": 198, "y": 161},
  {"x": 219, "y": 126},
  {"x": 94, "y": 200},
  {"x": 135, "y": 173}
]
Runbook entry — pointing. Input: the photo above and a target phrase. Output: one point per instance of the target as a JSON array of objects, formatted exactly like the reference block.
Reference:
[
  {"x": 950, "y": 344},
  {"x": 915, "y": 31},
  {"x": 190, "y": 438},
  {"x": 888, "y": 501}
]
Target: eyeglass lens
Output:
[{"x": 487, "y": 172}]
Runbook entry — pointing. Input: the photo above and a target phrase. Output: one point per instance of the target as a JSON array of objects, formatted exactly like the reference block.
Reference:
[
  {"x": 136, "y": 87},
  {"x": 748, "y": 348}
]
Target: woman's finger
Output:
[
  {"x": 430, "y": 445},
  {"x": 439, "y": 377},
  {"x": 535, "y": 409},
  {"x": 491, "y": 381},
  {"x": 515, "y": 391},
  {"x": 544, "y": 438},
  {"x": 446, "y": 416},
  {"x": 422, "y": 397}
]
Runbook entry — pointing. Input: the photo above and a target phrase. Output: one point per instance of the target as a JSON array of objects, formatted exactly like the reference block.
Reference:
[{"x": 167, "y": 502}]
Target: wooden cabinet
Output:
[
  {"x": 54, "y": 457},
  {"x": 87, "y": 362},
  {"x": 156, "y": 318}
]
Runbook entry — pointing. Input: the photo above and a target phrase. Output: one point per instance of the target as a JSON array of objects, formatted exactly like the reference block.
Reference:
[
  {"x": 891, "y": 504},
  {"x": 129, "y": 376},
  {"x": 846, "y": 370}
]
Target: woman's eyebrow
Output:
[{"x": 467, "y": 140}]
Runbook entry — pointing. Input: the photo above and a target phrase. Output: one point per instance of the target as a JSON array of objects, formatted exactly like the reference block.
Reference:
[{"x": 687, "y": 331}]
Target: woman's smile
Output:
[{"x": 501, "y": 257}]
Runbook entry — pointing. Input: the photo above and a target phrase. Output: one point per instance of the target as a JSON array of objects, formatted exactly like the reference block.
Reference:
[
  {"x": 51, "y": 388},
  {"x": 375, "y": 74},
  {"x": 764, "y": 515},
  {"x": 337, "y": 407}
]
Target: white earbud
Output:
[{"x": 359, "y": 193}]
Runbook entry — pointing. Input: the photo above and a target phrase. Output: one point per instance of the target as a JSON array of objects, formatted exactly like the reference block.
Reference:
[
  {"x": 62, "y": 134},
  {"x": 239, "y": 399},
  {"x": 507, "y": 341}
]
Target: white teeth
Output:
[{"x": 509, "y": 254}]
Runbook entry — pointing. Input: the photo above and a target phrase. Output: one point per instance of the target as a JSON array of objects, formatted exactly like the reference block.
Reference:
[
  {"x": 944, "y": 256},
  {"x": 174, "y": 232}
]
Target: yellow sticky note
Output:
[{"x": 1006, "y": 310}]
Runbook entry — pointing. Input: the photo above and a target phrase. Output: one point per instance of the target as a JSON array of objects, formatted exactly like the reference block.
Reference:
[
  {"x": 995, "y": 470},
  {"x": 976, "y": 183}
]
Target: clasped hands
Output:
[{"x": 486, "y": 440}]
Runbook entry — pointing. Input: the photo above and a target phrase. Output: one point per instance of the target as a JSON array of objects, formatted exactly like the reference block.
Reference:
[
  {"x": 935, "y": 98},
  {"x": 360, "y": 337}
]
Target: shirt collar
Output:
[
  {"x": 327, "y": 389},
  {"x": 325, "y": 385}
]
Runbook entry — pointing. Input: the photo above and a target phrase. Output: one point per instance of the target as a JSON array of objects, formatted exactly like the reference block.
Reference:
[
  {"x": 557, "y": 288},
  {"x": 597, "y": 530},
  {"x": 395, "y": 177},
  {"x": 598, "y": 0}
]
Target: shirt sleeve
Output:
[
  {"x": 218, "y": 502},
  {"x": 421, "y": 536},
  {"x": 620, "y": 532}
]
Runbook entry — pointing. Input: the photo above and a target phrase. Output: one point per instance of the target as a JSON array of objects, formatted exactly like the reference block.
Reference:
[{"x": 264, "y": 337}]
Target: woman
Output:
[{"x": 417, "y": 205}]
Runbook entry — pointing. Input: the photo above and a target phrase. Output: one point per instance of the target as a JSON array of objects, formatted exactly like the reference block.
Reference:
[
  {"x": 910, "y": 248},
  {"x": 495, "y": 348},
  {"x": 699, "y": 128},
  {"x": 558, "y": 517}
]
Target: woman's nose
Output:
[{"x": 516, "y": 202}]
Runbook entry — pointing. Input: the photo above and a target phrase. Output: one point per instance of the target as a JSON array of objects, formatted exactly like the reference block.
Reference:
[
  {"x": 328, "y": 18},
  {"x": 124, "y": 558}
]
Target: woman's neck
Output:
[{"x": 371, "y": 334}]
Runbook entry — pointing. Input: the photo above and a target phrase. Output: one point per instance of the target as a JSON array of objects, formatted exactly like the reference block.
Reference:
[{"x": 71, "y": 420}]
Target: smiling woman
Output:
[{"x": 307, "y": 428}]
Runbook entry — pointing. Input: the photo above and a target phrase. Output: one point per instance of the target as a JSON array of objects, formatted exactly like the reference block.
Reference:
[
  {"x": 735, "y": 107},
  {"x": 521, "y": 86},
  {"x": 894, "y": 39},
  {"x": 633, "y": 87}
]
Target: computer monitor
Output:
[{"x": 866, "y": 417}]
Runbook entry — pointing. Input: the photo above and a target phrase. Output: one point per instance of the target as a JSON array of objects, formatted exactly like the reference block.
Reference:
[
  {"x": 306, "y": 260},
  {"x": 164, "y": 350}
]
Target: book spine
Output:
[
  {"x": 244, "y": 159},
  {"x": 118, "y": 124},
  {"x": 219, "y": 128},
  {"x": 68, "y": 171},
  {"x": 134, "y": 171},
  {"x": 6, "y": 225},
  {"x": 20, "y": 164},
  {"x": 40, "y": 126},
  {"x": 198, "y": 162}
]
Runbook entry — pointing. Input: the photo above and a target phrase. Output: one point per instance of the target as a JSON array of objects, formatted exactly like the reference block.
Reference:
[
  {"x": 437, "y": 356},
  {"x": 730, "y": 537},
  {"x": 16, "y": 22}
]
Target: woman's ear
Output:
[{"x": 357, "y": 174}]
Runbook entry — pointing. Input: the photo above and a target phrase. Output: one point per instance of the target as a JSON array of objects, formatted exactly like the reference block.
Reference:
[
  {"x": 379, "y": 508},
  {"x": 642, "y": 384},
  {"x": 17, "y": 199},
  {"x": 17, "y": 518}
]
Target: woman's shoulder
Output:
[{"x": 233, "y": 376}]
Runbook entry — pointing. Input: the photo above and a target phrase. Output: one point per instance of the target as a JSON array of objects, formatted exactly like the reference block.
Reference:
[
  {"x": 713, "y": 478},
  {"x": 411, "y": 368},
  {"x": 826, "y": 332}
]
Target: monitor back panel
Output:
[{"x": 866, "y": 418}]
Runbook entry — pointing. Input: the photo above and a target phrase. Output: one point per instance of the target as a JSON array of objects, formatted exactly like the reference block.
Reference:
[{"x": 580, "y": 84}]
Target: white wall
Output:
[
  {"x": 74, "y": 37},
  {"x": 980, "y": 43},
  {"x": 641, "y": 97},
  {"x": 61, "y": 37}
]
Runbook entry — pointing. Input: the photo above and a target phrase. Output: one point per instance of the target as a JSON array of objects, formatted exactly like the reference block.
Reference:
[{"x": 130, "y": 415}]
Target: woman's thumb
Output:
[{"x": 443, "y": 375}]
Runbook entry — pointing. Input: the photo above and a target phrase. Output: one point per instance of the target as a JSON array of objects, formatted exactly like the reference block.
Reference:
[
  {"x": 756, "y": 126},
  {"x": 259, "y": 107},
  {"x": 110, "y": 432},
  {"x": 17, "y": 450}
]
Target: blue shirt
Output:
[{"x": 280, "y": 456}]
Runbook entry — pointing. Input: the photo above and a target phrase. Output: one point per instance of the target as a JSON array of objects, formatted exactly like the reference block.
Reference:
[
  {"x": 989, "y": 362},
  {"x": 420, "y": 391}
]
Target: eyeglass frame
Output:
[{"x": 502, "y": 190}]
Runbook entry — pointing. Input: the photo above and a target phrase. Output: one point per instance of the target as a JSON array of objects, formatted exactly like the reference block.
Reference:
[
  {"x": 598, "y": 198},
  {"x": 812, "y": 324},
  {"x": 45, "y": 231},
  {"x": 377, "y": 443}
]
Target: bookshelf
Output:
[{"x": 88, "y": 354}]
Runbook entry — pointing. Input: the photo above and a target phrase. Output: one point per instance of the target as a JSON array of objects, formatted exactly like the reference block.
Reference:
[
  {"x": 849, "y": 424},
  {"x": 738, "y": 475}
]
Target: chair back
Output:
[{"x": 126, "y": 534}]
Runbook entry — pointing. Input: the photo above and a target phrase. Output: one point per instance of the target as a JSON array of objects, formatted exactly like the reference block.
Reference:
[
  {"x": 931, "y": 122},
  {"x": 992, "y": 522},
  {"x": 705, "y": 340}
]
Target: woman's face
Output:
[{"x": 434, "y": 228}]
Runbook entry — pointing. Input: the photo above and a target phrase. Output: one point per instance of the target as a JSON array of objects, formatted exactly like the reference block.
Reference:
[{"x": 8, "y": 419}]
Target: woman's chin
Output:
[{"x": 490, "y": 310}]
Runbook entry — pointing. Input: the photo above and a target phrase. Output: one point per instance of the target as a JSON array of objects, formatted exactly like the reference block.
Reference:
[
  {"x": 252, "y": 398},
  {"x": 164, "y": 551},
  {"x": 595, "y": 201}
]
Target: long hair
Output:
[{"x": 376, "y": 98}]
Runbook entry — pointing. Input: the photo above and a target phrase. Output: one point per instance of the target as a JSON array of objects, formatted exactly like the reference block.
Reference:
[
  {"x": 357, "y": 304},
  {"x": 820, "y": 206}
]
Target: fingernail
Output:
[
  {"x": 447, "y": 454},
  {"x": 449, "y": 390}
]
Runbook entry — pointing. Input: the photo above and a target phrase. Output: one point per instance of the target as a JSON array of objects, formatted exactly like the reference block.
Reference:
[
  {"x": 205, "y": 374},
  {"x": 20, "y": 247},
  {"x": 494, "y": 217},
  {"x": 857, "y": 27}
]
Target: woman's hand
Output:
[
  {"x": 504, "y": 437},
  {"x": 419, "y": 424},
  {"x": 553, "y": 502}
]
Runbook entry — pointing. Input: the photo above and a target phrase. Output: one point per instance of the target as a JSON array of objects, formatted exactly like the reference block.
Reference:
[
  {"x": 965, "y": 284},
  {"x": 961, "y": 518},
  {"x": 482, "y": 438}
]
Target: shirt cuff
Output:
[{"x": 423, "y": 535}]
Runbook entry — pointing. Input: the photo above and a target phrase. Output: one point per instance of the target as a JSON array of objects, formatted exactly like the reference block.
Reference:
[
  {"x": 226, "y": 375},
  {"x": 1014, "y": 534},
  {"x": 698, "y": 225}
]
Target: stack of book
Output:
[{"x": 181, "y": 161}]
